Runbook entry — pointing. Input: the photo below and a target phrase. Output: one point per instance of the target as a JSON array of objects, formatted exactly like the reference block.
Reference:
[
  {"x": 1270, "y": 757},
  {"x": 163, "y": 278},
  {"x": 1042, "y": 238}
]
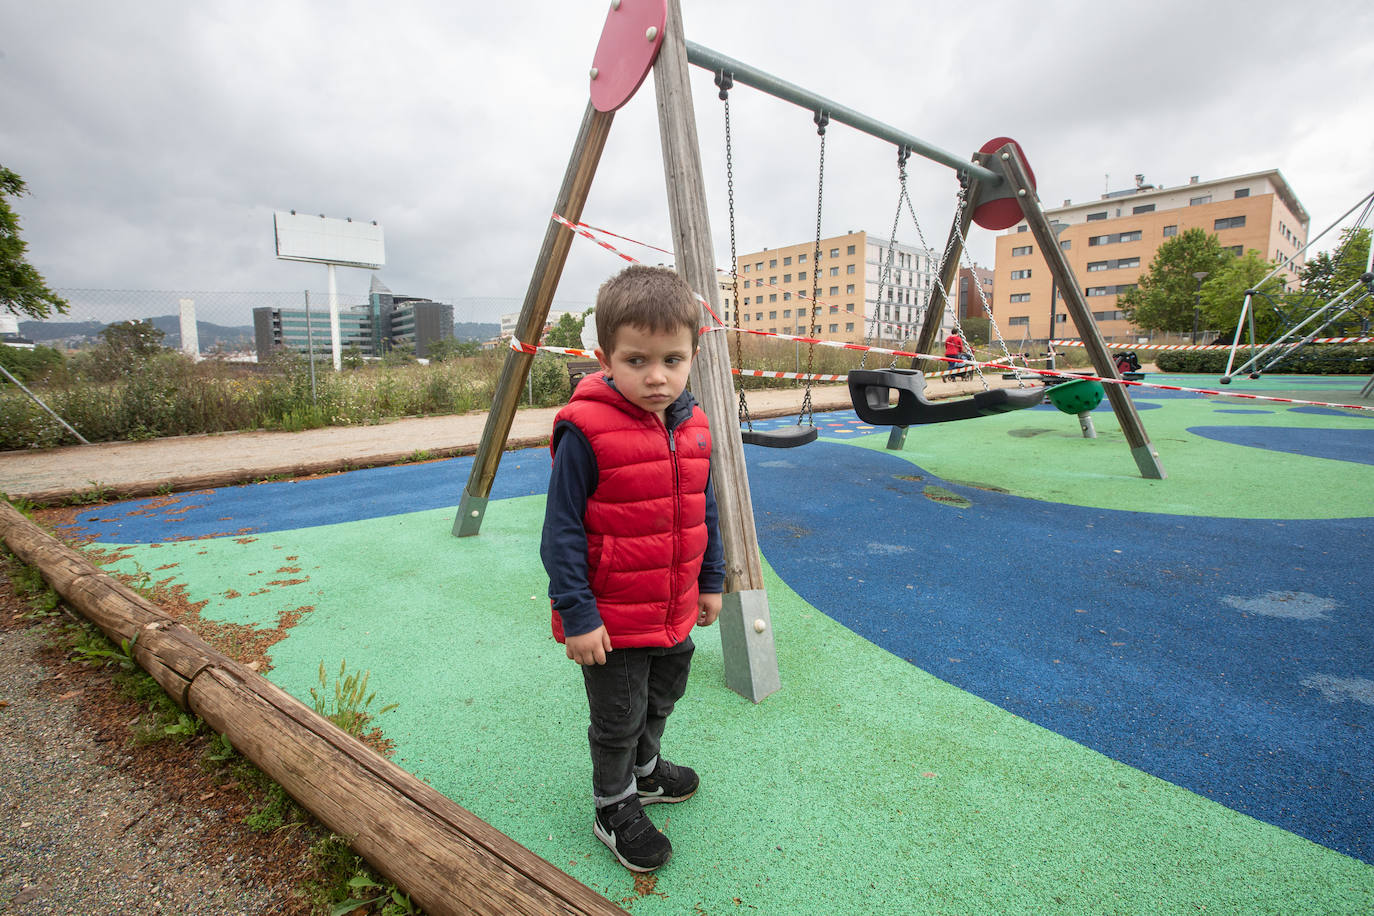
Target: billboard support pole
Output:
[{"x": 334, "y": 319}]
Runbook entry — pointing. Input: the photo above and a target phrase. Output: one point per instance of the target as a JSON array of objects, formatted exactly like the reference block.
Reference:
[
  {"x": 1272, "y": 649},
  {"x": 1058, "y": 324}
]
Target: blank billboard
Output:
[{"x": 328, "y": 240}]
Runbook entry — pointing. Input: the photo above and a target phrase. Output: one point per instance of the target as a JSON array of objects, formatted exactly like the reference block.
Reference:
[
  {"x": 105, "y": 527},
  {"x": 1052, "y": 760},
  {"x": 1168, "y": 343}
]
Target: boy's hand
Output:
[
  {"x": 708, "y": 608},
  {"x": 590, "y": 648}
]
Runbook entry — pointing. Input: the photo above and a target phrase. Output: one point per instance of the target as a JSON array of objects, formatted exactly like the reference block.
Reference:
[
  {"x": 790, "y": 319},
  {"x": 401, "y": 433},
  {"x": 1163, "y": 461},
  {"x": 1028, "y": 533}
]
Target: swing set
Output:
[{"x": 997, "y": 191}]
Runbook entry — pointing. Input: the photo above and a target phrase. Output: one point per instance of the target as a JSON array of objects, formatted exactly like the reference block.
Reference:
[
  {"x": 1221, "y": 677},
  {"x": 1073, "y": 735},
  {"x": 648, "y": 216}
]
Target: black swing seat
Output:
[
  {"x": 870, "y": 390},
  {"x": 787, "y": 437}
]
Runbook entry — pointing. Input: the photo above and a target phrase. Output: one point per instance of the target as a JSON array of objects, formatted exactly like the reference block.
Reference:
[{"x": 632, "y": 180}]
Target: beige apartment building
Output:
[
  {"x": 1111, "y": 241},
  {"x": 776, "y": 284}
]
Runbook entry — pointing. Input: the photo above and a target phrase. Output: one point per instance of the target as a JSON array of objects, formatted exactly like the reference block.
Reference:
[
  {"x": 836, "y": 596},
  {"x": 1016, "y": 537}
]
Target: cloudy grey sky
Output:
[{"x": 157, "y": 137}]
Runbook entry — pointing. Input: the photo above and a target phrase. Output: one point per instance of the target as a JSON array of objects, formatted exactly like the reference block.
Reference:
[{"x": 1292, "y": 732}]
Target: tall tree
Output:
[
  {"x": 1329, "y": 274},
  {"x": 1166, "y": 295},
  {"x": 1223, "y": 293},
  {"x": 22, "y": 289}
]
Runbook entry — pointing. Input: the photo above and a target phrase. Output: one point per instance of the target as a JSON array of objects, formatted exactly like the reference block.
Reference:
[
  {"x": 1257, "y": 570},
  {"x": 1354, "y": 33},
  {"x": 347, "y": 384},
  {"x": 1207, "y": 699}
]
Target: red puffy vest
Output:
[{"x": 646, "y": 520}]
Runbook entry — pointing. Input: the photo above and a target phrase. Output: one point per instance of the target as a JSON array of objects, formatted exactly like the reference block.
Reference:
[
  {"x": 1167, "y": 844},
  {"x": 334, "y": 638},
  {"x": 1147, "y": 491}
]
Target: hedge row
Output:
[{"x": 1313, "y": 359}]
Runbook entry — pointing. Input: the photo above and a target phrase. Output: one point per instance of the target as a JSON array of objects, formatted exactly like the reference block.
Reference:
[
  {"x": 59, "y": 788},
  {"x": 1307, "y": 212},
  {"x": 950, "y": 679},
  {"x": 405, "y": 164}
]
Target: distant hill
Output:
[
  {"x": 79, "y": 333},
  {"x": 85, "y": 333},
  {"x": 476, "y": 330}
]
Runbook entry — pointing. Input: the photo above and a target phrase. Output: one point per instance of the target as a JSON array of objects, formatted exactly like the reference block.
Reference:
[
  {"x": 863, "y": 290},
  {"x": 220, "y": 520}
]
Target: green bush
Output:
[
  {"x": 1313, "y": 359},
  {"x": 36, "y": 365}
]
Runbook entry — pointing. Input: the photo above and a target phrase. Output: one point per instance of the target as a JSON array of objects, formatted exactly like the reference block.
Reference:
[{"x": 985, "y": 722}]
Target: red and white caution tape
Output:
[
  {"x": 965, "y": 366},
  {"x": 1117, "y": 346}
]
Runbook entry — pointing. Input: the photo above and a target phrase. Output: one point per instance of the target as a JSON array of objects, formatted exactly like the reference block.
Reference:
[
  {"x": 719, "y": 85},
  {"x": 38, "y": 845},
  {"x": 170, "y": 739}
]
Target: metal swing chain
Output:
[
  {"x": 822, "y": 119},
  {"x": 982, "y": 294},
  {"x": 885, "y": 267},
  {"x": 962, "y": 201},
  {"x": 726, "y": 82}
]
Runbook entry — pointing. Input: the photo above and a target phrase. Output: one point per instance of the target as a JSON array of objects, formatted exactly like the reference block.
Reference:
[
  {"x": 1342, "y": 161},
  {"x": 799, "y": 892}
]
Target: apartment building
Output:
[
  {"x": 776, "y": 289},
  {"x": 1111, "y": 241}
]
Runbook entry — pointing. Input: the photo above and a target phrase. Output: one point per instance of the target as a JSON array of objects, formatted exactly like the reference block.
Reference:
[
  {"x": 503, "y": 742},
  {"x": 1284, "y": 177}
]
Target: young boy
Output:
[{"x": 632, "y": 547}]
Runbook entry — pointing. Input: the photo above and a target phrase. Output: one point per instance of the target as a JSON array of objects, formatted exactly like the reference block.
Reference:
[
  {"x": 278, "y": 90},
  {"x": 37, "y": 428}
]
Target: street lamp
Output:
[{"x": 1199, "y": 276}]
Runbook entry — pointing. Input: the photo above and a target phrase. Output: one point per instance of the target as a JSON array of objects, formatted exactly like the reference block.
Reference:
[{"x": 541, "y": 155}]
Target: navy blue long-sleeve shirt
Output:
[{"x": 563, "y": 545}]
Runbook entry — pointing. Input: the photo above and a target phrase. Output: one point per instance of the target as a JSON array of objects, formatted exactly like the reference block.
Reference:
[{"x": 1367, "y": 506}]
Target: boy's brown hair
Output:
[{"x": 655, "y": 299}]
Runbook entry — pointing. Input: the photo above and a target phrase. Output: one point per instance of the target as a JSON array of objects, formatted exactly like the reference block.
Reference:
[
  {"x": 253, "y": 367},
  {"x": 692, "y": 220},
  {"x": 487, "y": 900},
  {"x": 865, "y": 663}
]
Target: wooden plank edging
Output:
[{"x": 447, "y": 859}]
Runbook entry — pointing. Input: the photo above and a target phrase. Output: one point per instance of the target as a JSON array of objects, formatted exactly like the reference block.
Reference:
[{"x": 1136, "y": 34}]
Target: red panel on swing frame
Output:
[
  {"x": 625, "y": 55},
  {"x": 1004, "y": 212}
]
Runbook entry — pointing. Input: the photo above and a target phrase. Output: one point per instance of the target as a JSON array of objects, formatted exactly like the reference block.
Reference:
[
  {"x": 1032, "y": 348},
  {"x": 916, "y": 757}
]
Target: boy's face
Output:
[{"x": 649, "y": 367}]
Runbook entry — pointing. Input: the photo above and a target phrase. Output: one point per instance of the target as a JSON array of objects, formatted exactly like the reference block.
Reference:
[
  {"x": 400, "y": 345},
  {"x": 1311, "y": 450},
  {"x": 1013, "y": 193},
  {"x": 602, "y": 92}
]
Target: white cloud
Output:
[{"x": 157, "y": 139}]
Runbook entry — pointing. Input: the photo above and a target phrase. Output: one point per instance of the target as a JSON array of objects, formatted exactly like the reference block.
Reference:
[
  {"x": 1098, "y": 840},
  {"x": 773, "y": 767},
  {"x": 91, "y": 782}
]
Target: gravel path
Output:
[{"x": 92, "y": 823}]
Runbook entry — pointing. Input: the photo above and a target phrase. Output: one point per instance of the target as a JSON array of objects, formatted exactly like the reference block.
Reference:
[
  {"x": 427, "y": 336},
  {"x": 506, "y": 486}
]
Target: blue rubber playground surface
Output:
[{"x": 1017, "y": 676}]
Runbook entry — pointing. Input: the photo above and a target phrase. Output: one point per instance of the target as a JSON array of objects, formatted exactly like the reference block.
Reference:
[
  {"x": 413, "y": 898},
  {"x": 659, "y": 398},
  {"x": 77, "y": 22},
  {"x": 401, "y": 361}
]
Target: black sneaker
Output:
[
  {"x": 627, "y": 831},
  {"x": 667, "y": 783}
]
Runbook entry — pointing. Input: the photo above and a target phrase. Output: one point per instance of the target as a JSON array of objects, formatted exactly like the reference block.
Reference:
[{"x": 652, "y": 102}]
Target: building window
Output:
[
  {"x": 1143, "y": 208},
  {"x": 1108, "y": 316},
  {"x": 801, "y": 258},
  {"x": 787, "y": 313},
  {"x": 787, "y": 278},
  {"x": 1096, "y": 290},
  {"x": 1228, "y": 222},
  {"x": 758, "y": 316},
  {"x": 1099, "y": 265},
  {"x": 758, "y": 300},
  {"x": 746, "y": 284},
  {"x": 1094, "y": 217},
  {"x": 1015, "y": 275},
  {"x": 1021, "y": 250},
  {"x": 1170, "y": 231},
  {"x": 801, "y": 275},
  {"x": 1129, "y": 236},
  {"x": 849, "y": 307},
  {"x": 1023, "y": 228},
  {"x": 1019, "y": 297},
  {"x": 772, "y": 297},
  {"x": 849, "y": 268},
  {"x": 1066, "y": 244},
  {"x": 772, "y": 262},
  {"x": 1019, "y": 320},
  {"x": 834, "y": 252},
  {"x": 758, "y": 266},
  {"x": 835, "y": 271},
  {"x": 787, "y": 261},
  {"x": 849, "y": 289},
  {"x": 1128, "y": 262},
  {"x": 834, "y": 290},
  {"x": 1199, "y": 201},
  {"x": 772, "y": 315},
  {"x": 1236, "y": 250},
  {"x": 851, "y": 249},
  {"x": 1242, "y": 192},
  {"x": 746, "y": 268},
  {"x": 849, "y": 326},
  {"x": 834, "y": 329},
  {"x": 786, "y": 297},
  {"x": 773, "y": 280}
]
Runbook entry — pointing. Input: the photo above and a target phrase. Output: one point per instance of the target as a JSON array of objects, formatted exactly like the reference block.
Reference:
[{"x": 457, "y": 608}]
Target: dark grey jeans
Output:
[{"x": 630, "y": 698}]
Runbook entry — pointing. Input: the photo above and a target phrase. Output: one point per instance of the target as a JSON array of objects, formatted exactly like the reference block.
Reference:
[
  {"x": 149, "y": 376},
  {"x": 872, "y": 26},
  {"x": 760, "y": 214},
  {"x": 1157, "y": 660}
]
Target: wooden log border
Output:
[{"x": 447, "y": 859}]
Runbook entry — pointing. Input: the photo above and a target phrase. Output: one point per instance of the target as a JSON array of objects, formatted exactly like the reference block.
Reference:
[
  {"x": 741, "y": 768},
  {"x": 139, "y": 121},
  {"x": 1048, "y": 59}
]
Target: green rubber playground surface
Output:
[{"x": 867, "y": 784}]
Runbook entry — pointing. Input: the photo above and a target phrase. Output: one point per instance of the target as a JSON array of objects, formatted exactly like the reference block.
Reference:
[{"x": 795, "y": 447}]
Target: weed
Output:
[
  {"x": 420, "y": 455},
  {"x": 344, "y": 882},
  {"x": 98, "y": 493},
  {"x": 277, "y": 811},
  {"x": 348, "y": 706},
  {"x": 93, "y": 649},
  {"x": 30, "y": 585}
]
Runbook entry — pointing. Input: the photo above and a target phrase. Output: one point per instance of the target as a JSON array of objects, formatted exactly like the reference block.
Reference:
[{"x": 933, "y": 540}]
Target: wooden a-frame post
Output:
[{"x": 750, "y": 659}]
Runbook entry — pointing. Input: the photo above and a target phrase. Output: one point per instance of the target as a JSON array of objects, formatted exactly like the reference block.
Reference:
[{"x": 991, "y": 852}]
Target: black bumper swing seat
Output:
[
  {"x": 870, "y": 390},
  {"x": 787, "y": 437}
]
